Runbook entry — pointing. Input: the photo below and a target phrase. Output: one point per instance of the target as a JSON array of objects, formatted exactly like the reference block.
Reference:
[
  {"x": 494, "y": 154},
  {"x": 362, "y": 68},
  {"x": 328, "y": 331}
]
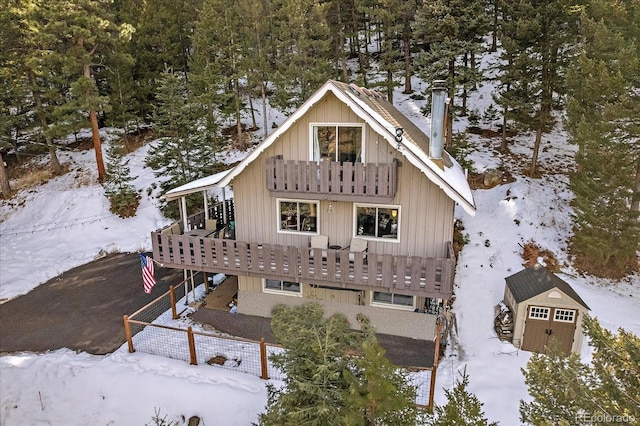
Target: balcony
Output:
[
  {"x": 332, "y": 180},
  {"x": 411, "y": 275}
]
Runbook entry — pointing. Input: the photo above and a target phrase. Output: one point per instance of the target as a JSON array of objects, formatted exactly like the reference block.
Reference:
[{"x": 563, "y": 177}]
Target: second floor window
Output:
[
  {"x": 298, "y": 216},
  {"x": 337, "y": 143},
  {"x": 377, "y": 221}
]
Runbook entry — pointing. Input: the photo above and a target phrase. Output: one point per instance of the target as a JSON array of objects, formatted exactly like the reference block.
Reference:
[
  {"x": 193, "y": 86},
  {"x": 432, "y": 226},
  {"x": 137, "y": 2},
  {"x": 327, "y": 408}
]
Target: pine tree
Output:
[
  {"x": 462, "y": 408},
  {"x": 334, "y": 375},
  {"x": 603, "y": 108},
  {"x": 566, "y": 391},
  {"x": 122, "y": 195},
  {"x": 453, "y": 30},
  {"x": 536, "y": 41},
  {"x": 184, "y": 151},
  {"x": 380, "y": 393},
  {"x": 314, "y": 362}
]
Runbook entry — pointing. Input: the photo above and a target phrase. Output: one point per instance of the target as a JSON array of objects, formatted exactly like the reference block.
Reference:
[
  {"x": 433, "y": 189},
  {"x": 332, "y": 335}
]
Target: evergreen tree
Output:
[
  {"x": 184, "y": 151},
  {"x": 334, "y": 375},
  {"x": 380, "y": 393},
  {"x": 453, "y": 31},
  {"x": 302, "y": 51},
  {"x": 568, "y": 392},
  {"x": 315, "y": 359},
  {"x": 603, "y": 109},
  {"x": 219, "y": 66},
  {"x": 122, "y": 195},
  {"x": 536, "y": 41},
  {"x": 462, "y": 408},
  {"x": 79, "y": 34}
]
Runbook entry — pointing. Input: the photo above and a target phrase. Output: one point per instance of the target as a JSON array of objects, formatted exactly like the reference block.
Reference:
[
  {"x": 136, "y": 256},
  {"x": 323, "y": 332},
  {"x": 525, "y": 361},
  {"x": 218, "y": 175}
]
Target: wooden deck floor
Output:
[{"x": 220, "y": 298}]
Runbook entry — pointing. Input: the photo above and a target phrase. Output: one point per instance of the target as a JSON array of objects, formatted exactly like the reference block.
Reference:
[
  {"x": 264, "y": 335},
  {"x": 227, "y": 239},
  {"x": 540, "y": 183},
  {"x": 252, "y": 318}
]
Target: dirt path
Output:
[{"x": 81, "y": 309}]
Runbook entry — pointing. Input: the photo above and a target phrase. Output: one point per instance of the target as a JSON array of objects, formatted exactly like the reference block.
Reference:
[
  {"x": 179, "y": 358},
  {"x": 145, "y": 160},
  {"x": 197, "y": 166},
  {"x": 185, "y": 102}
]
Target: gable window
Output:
[
  {"x": 377, "y": 221},
  {"x": 337, "y": 143},
  {"x": 298, "y": 216},
  {"x": 391, "y": 300},
  {"x": 279, "y": 286}
]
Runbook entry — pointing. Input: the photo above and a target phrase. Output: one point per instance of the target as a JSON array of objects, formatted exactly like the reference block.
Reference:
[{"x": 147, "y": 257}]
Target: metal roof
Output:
[{"x": 536, "y": 280}]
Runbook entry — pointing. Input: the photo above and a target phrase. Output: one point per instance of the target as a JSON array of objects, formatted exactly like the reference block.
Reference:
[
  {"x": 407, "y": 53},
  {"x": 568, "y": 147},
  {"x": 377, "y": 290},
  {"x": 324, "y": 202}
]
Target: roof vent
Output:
[{"x": 438, "y": 98}]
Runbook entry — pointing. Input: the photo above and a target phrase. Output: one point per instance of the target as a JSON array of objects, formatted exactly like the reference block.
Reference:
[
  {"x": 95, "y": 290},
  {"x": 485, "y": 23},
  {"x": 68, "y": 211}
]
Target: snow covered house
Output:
[
  {"x": 347, "y": 203},
  {"x": 544, "y": 308}
]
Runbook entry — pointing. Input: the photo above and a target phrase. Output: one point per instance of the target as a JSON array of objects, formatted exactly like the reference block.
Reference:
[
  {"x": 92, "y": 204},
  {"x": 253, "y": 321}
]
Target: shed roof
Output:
[{"x": 536, "y": 280}]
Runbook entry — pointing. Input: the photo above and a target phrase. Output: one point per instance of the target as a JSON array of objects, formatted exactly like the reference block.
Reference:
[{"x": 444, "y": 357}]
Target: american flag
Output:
[{"x": 147, "y": 272}]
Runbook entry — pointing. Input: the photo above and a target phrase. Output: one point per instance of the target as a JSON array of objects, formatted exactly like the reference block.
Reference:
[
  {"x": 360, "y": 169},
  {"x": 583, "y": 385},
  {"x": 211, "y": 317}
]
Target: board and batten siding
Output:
[{"x": 426, "y": 213}]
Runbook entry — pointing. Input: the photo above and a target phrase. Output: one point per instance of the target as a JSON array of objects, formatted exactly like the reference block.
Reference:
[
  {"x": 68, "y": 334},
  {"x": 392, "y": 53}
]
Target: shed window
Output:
[
  {"x": 564, "y": 315},
  {"x": 537, "y": 312}
]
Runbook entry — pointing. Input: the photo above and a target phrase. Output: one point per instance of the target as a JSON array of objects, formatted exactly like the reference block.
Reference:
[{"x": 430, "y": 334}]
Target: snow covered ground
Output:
[{"x": 62, "y": 224}]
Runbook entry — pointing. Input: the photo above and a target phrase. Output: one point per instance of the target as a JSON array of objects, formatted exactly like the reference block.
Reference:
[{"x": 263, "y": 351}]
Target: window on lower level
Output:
[
  {"x": 564, "y": 315},
  {"x": 537, "y": 312},
  {"x": 400, "y": 301},
  {"x": 280, "y": 286},
  {"x": 377, "y": 221}
]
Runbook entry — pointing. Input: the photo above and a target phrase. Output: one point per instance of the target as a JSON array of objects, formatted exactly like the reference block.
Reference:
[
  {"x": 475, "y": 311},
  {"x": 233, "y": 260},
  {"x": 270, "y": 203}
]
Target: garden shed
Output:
[{"x": 544, "y": 308}]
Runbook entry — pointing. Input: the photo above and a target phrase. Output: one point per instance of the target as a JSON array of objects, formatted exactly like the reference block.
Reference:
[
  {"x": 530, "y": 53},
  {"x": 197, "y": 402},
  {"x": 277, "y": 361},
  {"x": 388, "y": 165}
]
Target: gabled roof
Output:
[
  {"x": 384, "y": 118},
  {"x": 536, "y": 280}
]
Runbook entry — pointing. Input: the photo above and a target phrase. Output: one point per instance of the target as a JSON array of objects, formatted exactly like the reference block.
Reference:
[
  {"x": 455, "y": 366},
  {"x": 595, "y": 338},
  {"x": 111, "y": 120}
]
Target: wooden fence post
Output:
[
  {"x": 434, "y": 367},
  {"x": 263, "y": 360},
  {"x": 127, "y": 332},
  {"x": 172, "y": 298},
  {"x": 192, "y": 346}
]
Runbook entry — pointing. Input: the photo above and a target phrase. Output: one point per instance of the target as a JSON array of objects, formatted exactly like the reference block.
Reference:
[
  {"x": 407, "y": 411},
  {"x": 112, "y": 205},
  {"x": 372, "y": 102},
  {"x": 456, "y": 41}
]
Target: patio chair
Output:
[
  {"x": 358, "y": 245},
  {"x": 319, "y": 242}
]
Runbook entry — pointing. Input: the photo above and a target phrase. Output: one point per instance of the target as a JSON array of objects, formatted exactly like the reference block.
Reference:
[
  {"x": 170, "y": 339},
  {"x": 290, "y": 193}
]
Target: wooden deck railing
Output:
[
  {"x": 341, "y": 181},
  {"x": 412, "y": 275}
]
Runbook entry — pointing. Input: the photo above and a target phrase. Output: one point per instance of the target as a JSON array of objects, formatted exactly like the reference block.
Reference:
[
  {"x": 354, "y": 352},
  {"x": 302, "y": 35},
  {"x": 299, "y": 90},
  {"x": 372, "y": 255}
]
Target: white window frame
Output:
[
  {"x": 266, "y": 289},
  {"x": 312, "y": 127},
  {"x": 289, "y": 231},
  {"x": 391, "y": 305},
  {"x": 539, "y": 312},
  {"x": 564, "y": 313},
  {"x": 376, "y": 206}
]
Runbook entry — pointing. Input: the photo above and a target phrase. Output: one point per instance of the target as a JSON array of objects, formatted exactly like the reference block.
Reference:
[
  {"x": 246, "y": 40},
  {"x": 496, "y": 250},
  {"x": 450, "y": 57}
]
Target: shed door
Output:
[{"x": 546, "y": 323}]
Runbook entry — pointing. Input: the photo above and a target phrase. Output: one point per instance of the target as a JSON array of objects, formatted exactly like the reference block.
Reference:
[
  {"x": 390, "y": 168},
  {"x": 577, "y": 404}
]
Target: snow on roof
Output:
[
  {"x": 198, "y": 185},
  {"x": 384, "y": 118}
]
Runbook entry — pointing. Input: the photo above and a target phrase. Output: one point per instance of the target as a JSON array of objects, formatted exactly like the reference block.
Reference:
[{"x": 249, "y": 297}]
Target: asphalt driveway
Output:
[{"x": 82, "y": 308}]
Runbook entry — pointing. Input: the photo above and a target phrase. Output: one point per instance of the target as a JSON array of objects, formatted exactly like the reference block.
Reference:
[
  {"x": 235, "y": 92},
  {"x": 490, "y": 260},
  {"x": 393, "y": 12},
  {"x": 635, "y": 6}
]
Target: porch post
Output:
[
  {"x": 183, "y": 213},
  {"x": 224, "y": 206},
  {"x": 206, "y": 205}
]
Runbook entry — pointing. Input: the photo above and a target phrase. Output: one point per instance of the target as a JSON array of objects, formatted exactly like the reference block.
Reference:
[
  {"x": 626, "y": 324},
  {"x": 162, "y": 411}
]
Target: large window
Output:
[
  {"x": 377, "y": 221},
  {"x": 298, "y": 216},
  {"x": 279, "y": 286},
  {"x": 399, "y": 301},
  {"x": 337, "y": 143}
]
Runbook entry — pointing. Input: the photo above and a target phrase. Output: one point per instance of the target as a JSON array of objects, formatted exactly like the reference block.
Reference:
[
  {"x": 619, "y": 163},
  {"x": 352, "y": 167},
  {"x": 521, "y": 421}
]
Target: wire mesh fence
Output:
[{"x": 147, "y": 333}]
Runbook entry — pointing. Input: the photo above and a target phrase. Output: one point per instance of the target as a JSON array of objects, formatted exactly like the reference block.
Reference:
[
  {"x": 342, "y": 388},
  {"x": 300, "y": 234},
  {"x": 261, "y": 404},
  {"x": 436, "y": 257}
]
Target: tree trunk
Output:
[
  {"x": 265, "y": 119},
  {"x": 406, "y": 40},
  {"x": 4, "y": 180},
  {"x": 503, "y": 143},
  {"x": 635, "y": 201},
  {"x": 536, "y": 149},
  {"x": 95, "y": 130},
  {"x": 254, "y": 125}
]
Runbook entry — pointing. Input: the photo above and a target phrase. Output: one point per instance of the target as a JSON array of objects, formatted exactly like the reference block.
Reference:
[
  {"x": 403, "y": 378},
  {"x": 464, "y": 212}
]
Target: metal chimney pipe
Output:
[{"x": 438, "y": 98}]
